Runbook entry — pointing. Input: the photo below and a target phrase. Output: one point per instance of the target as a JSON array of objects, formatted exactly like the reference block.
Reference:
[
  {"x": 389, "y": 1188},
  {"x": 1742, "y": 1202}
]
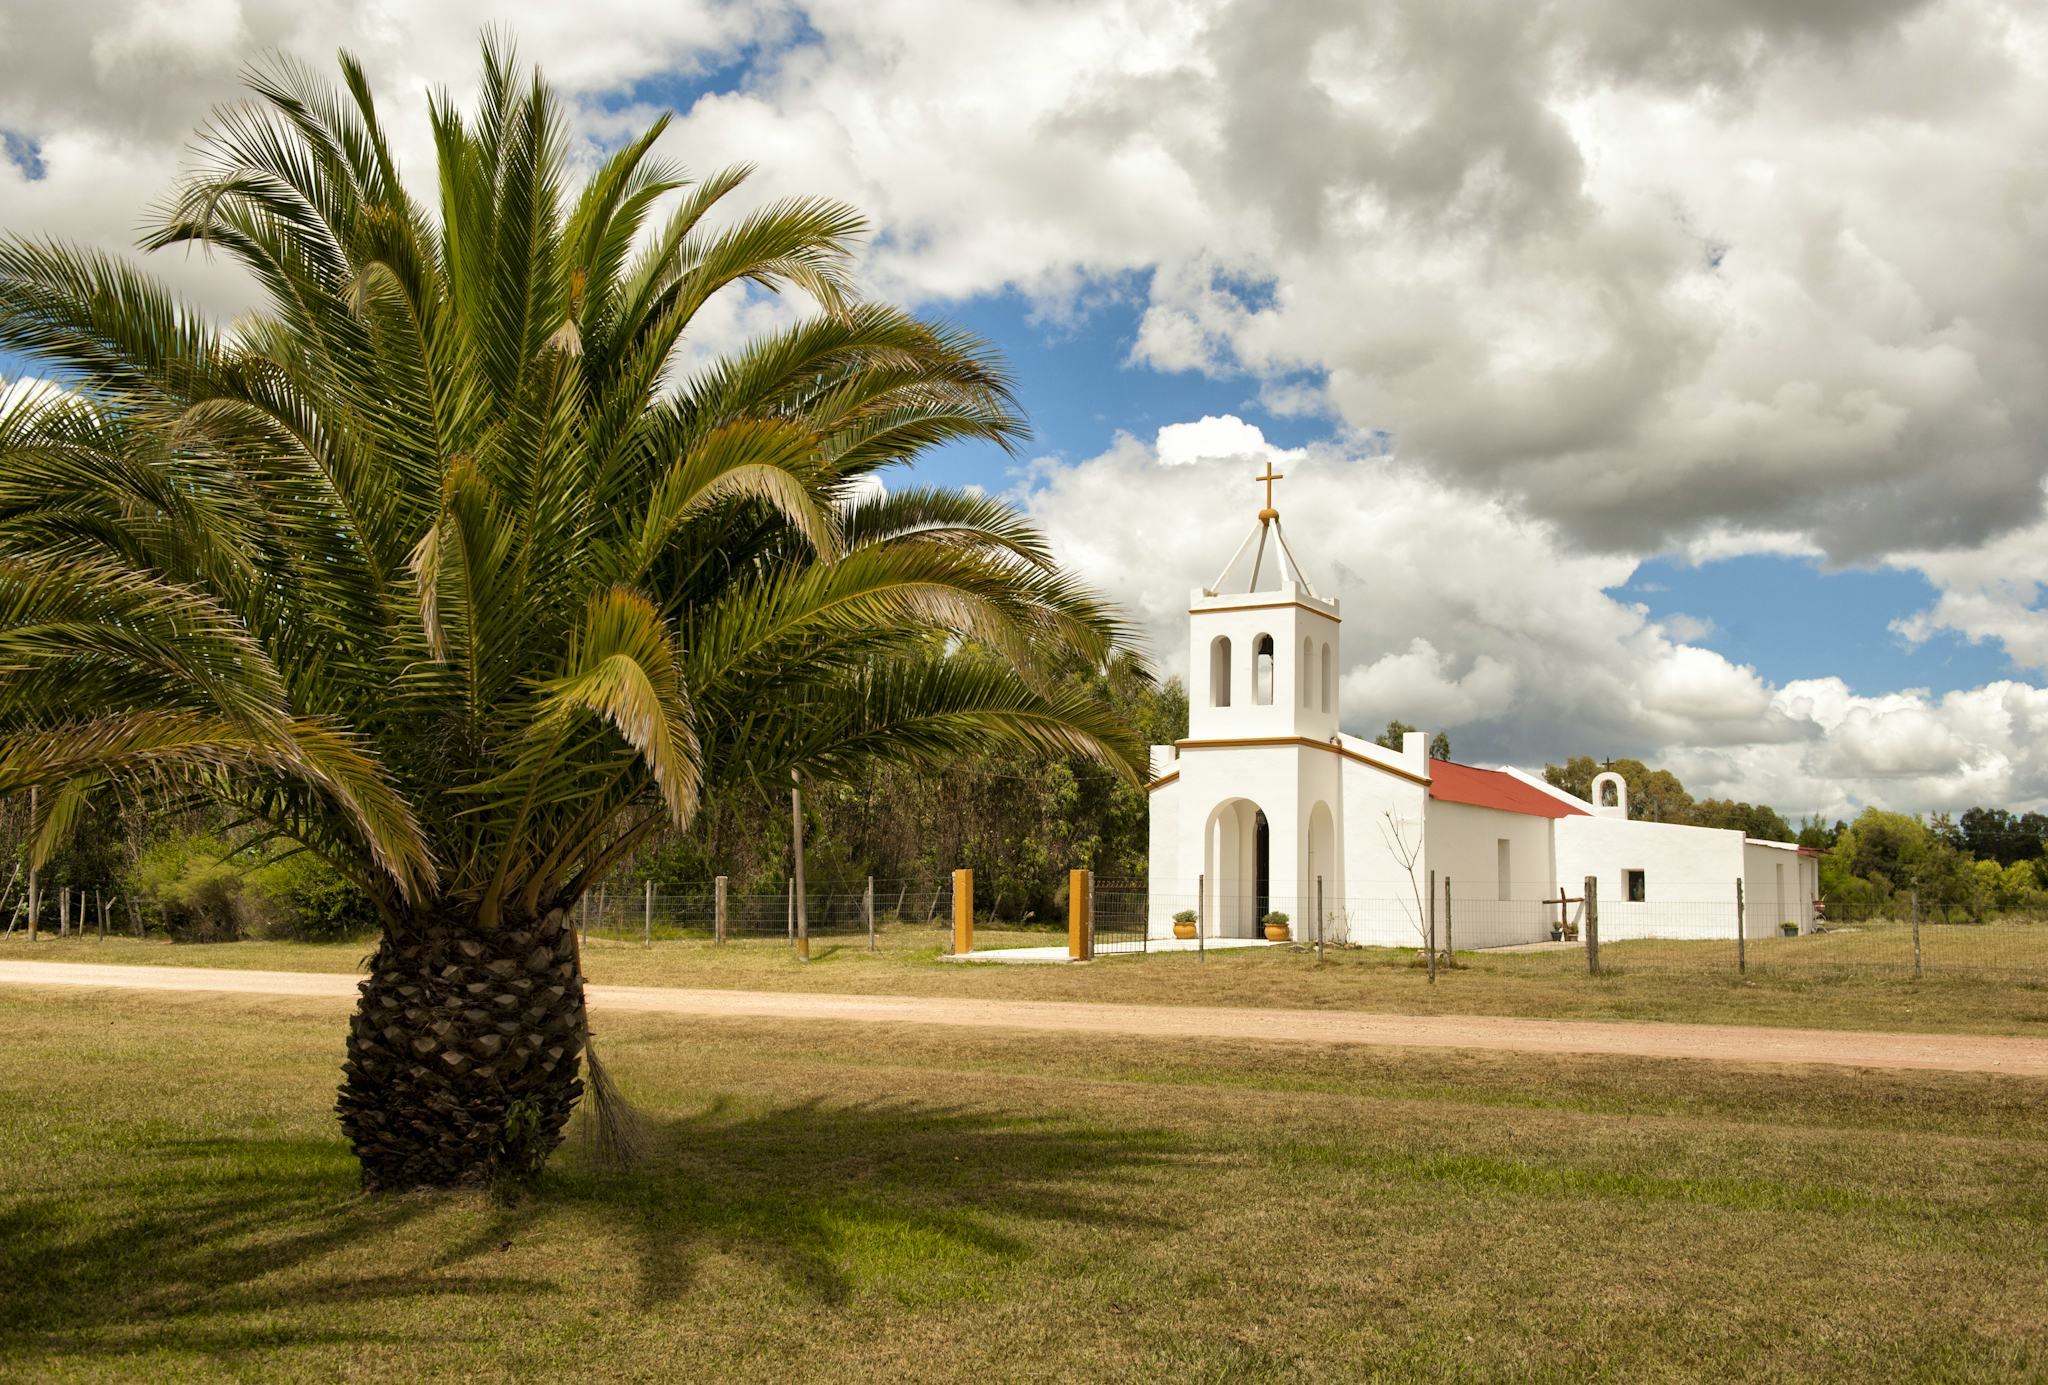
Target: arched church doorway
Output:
[{"x": 1237, "y": 857}]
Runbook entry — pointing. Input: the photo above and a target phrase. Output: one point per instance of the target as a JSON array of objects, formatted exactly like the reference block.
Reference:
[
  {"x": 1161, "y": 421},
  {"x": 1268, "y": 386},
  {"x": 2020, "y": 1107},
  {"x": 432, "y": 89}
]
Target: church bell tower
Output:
[{"x": 1262, "y": 660}]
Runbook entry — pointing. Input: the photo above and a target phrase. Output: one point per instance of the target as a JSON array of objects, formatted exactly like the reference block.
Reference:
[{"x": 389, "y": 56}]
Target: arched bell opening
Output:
[{"x": 1219, "y": 671}]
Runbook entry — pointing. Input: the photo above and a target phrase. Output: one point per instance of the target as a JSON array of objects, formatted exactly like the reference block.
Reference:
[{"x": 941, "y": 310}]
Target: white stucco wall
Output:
[
  {"x": 1779, "y": 887},
  {"x": 1379, "y": 904},
  {"x": 1162, "y": 867},
  {"x": 1690, "y": 874},
  {"x": 1464, "y": 848}
]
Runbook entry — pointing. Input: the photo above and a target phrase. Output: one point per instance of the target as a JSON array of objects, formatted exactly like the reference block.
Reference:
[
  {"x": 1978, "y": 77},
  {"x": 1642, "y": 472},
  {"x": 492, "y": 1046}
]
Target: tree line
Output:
[{"x": 1019, "y": 818}]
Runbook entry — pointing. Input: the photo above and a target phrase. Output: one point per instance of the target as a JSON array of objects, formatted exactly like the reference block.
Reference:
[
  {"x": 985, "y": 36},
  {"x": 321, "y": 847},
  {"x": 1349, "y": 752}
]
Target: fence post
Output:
[
  {"x": 1450, "y": 948},
  {"x": 718, "y": 910},
  {"x": 867, "y": 910},
  {"x": 1432, "y": 928},
  {"x": 1079, "y": 934},
  {"x": 1741, "y": 929},
  {"x": 1914, "y": 897},
  {"x": 647, "y": 918},
  {"x": 1592, "y": 925},
  {"x": 963, "y": 912},
  {"x": 1202, "y": 918},
  {"x": 789, "y": 909},
  {"x": 1319, "y": 918}
]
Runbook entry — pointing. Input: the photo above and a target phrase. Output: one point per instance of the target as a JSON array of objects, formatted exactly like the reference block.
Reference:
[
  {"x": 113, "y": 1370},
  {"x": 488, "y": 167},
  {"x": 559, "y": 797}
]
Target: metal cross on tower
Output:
[{"x": 1269, "y": 514}]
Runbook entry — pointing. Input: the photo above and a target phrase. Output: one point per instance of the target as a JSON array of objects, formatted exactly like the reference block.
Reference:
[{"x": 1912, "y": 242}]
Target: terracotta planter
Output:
[
  {"x": 1276, "y": 932},
  {"x": 1184, "y": 931}
]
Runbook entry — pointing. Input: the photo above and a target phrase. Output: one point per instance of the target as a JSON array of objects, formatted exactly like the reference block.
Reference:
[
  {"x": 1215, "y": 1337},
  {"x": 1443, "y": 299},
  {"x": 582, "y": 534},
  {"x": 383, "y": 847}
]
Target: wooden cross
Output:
[{"x": 1269, "y": 478}]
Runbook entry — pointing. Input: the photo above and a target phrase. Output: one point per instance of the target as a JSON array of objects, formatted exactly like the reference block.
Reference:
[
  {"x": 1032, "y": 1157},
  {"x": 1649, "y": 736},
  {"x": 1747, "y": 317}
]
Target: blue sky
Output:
[{"x": 1790, "y": 618}]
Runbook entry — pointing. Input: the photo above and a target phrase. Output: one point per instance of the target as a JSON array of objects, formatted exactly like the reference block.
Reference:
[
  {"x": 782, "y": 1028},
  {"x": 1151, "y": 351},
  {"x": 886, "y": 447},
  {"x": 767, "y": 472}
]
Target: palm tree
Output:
[{"x": 440, "y": 566}]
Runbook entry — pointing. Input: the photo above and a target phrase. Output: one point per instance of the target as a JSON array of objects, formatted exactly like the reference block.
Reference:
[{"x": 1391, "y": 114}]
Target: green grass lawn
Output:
[
  {"x": 1644, "y": 980},
  {"x": 840, "y": 1202}
]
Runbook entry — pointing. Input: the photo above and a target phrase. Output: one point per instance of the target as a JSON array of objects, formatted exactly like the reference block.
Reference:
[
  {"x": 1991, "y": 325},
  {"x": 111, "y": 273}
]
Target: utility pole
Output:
[
  {"x": 35, "y": 889},
  {"x": 796, "y": 823}
]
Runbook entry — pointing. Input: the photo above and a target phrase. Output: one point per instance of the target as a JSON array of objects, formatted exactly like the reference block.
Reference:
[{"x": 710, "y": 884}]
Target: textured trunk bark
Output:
[{"x": 464, "y": 1055}]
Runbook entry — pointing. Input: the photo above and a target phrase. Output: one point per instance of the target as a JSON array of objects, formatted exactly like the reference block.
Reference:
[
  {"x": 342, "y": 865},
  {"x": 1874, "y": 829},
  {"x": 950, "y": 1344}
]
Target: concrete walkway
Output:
[
  {"x": 1713, "y": 1043},
  {"x": 1058, "y": 952}
]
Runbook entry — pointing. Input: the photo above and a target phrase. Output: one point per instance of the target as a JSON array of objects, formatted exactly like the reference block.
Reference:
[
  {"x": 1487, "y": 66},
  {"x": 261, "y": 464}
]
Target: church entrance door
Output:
[{"x": 1264, "y": 875}]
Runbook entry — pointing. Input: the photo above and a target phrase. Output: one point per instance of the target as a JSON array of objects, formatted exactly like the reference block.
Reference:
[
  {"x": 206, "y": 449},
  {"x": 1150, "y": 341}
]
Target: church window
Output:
[
  {"x": 1262, "y": 670},
  {"x": 1306, "y": 678},
  {"x": 1329, "y": 679},
  {"x": 1636, "y": 885},
  {"x": 1503, "y": 867},
  {"x": 1219, "y": 671}
]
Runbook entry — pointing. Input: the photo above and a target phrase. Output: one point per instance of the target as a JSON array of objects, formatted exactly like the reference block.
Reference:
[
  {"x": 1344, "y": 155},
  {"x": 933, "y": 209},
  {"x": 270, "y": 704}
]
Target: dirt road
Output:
[{"x": 1710, "y": 1042}]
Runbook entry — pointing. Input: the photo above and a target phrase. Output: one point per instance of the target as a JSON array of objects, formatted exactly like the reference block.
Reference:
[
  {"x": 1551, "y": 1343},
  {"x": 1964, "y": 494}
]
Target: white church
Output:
[{"x": 1268, "y": 806}]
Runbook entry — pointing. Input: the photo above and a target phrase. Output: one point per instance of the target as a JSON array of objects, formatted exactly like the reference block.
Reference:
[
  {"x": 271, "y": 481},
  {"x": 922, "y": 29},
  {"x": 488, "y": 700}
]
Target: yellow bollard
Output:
[
  {"x": 1080, "y": 927},
  {"x": 963, "y": 912}
]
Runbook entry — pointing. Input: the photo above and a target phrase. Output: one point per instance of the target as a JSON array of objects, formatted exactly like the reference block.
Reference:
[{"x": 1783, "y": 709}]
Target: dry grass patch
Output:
[{"x": 833, "y": 1201}]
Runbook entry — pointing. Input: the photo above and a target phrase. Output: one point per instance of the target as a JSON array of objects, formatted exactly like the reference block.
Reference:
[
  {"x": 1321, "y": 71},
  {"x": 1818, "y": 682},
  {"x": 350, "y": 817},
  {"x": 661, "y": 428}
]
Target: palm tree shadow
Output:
[
  {"x": 830, "y": 1196},
  {"x": 901, "y": 1196}
]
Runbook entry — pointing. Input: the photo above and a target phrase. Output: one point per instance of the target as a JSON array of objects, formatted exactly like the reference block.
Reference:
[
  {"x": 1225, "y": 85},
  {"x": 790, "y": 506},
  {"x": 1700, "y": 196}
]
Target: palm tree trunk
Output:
[{"x": 464, "y": 1055}]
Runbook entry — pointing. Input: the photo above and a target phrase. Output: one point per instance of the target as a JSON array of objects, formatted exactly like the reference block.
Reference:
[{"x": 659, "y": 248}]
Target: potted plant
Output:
[
  {"x": 1184, "y": 924},
  {"x": 1790, "y": 930},
  {"x": 1276, "y": 927},
  {"x": 1557, "y": 932}
]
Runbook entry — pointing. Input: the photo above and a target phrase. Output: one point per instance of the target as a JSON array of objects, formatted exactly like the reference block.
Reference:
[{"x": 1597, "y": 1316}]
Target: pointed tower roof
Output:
[{"x": 1286, "y": 570}]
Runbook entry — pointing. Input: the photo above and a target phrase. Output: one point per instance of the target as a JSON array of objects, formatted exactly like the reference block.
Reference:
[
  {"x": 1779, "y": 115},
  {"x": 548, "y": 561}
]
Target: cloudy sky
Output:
[{"x": 1650, "y": 377}]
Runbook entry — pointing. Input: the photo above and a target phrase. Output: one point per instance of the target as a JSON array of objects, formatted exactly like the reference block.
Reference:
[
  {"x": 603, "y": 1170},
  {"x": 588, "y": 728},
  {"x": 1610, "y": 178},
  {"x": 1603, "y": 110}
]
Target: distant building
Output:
[{"x": 1269, "y": 806}]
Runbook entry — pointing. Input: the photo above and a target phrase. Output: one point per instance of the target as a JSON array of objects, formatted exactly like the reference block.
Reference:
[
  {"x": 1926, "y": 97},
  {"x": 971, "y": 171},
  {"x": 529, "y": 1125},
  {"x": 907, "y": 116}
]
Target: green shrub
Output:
[
  {"x": 309, "y": 903},
  {"x": 197, "y": 888},
  {"x": 188, "y": 888}
]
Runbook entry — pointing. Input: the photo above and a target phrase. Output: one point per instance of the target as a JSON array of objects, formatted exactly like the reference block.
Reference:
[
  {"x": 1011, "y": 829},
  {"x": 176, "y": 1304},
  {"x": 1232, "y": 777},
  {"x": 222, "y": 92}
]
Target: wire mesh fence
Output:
[
  {"x": 699, "y": 912},
  {"x": 1697, "y": 927}
]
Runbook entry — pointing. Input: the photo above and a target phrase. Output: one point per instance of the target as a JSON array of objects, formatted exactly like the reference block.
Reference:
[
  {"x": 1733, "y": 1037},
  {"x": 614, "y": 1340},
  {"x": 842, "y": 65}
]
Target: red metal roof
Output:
[{"x": 1451, "y": 782}]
